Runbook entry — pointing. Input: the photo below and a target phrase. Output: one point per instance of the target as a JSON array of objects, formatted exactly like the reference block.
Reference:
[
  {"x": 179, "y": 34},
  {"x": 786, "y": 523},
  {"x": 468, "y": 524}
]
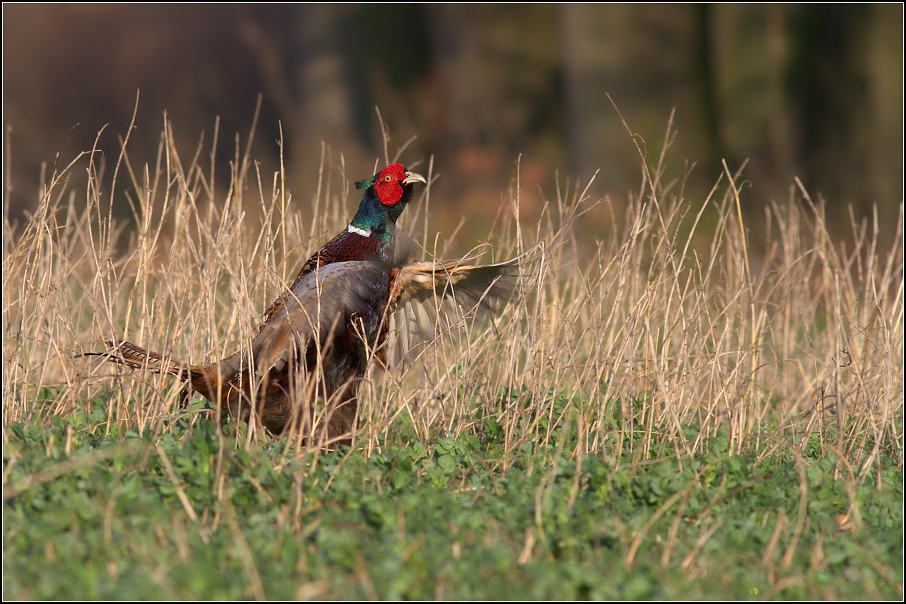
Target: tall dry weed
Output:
[{"x": 654, "y": 342}]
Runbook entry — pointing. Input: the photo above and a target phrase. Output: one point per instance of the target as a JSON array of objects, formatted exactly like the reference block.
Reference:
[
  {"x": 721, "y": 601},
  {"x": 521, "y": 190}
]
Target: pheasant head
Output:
[{"x": 386, "y": 195}]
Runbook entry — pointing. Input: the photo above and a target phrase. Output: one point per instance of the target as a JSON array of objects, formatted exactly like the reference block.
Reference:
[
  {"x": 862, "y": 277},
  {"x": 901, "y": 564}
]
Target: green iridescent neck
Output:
[
  {"x": 373, "y": 219},
  {"x": 376, "y": 218}
]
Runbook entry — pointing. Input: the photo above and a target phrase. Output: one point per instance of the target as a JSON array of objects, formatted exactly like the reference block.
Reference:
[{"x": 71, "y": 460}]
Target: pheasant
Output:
[{"x": 317, "y": 338}]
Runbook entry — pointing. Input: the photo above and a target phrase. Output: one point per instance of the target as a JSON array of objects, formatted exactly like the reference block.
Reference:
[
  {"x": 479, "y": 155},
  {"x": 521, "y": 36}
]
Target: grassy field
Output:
[{"x": 665, "y": 415}]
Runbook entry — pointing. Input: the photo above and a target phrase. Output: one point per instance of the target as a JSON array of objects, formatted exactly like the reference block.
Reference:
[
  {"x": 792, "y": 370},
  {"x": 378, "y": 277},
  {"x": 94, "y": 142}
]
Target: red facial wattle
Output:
[{"x": 388, "y": 187}]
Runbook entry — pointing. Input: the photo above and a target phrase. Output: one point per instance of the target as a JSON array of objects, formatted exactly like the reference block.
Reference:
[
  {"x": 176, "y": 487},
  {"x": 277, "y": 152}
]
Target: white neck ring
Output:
[{"x": 363, "y": 232}]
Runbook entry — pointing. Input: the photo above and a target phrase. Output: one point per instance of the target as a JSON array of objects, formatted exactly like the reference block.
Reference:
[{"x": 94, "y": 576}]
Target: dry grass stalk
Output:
[{"x": 652, "y": 334}]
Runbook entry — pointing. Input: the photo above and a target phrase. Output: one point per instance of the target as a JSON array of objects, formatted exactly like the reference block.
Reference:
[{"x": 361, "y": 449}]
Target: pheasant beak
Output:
[{"x": 412, "y": 177}]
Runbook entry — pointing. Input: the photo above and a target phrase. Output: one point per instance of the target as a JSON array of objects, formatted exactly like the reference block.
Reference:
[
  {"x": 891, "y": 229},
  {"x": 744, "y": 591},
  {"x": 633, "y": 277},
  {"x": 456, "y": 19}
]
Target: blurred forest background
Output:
[{"x": 814, "y": 91}]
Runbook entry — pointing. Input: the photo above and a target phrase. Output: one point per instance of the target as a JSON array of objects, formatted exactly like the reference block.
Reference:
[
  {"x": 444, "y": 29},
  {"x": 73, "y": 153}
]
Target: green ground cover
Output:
[
  {"x": 191, "y": 514},
  {"x": 668, "y": 411}
]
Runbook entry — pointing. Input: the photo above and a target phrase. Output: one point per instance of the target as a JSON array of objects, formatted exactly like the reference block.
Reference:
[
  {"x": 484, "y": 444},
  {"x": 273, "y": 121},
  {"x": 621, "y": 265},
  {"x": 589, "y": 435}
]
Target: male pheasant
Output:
[{"x": 317, "y": 338}]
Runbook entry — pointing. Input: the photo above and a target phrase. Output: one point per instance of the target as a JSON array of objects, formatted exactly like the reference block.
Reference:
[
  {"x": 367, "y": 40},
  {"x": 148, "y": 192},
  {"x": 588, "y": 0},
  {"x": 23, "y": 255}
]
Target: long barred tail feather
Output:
[{"x": 136, "y": 357}]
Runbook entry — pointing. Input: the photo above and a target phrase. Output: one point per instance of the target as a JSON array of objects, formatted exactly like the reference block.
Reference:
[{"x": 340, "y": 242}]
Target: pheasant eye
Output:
[{"x": 388, "y": 178}]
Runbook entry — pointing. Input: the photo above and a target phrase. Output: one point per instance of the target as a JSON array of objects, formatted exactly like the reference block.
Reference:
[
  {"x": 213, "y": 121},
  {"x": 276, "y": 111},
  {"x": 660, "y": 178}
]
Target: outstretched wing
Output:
[{"x": 429, "y": 299}]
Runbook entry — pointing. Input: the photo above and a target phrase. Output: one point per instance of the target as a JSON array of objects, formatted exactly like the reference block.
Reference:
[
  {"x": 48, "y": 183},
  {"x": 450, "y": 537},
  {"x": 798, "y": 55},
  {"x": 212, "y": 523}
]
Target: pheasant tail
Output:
[{"x": 136, "y": 357}]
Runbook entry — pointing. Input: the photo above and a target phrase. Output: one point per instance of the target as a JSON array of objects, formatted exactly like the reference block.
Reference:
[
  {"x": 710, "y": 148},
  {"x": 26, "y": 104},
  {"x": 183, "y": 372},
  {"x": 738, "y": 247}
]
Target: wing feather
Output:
[
  {"x": 430, "y": 299},
  {"x": 316, "y": 310}
]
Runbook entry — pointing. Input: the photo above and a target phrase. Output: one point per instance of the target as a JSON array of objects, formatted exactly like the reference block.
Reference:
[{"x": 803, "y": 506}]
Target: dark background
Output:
[{"x": 814, "y": 91}]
